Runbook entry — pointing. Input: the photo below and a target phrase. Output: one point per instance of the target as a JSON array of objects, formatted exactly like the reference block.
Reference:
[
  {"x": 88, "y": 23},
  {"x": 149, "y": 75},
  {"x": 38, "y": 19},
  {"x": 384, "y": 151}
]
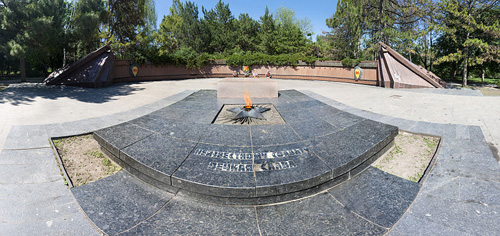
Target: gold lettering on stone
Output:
[
  {"x": 304, "y": 152},
  {"x": 265, "y": 166}
]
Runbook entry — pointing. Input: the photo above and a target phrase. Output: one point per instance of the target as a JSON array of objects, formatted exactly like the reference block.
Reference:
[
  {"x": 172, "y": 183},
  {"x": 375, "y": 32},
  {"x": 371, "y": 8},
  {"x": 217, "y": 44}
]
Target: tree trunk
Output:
[
  {"x": 466, "y": 62},
  {"x": 430, "y": 42},
  {"x": 482, "y": 74},
  {"x": 22, "y": 67},
  {"x": 466, "y": 49},
  {"x": 464, "y": 76},
  {"x": 381, "y": 15}
]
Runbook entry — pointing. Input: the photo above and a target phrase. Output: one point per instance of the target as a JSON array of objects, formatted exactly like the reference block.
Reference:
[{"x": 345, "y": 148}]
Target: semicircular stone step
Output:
[{"x": 178, "y": 147}]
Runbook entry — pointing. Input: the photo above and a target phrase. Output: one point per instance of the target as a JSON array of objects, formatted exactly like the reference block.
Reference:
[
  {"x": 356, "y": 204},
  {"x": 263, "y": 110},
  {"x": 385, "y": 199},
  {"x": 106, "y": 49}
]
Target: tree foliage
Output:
[
  {"x": 468, "y": 27},
  {"x": 447, "y": 34},
  {"x": 454, "y": 38}
]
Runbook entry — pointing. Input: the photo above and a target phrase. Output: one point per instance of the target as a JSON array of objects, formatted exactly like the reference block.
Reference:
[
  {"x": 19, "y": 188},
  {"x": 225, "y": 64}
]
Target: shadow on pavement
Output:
[{"x": 26, "y": 93}]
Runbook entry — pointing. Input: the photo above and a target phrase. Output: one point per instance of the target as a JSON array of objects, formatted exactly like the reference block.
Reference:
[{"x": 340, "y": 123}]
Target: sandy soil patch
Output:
[
  {"x": 409, "y": 157},
  {"x": 490, "y": 91},
  {"x": 83, "y": 160}
]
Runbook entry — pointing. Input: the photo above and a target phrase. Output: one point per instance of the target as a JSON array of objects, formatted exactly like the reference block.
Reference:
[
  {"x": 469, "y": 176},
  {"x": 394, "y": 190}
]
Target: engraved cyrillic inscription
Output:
[
  {"x": 265, "y": 166},
  {"x": 305, "y": 152},
  {"x": 231, "y": 167}
]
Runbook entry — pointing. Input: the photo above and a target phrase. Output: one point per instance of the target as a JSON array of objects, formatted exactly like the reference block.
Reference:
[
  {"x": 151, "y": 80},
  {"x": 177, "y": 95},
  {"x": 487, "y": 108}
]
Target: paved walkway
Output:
[
  {"x": 459, "y": 197},
  {"x": 30, "y": 106}
]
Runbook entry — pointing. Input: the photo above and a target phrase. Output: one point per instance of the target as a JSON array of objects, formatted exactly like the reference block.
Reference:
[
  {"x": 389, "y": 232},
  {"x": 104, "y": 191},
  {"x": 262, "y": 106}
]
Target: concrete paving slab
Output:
[
  {"x": 184, "y": 217},
  {"x": 320, "y": 215},
  {"x": 119, "y": 202},
  {"x": 54, "y": 105},
  {"x": 377, "y": 196}
]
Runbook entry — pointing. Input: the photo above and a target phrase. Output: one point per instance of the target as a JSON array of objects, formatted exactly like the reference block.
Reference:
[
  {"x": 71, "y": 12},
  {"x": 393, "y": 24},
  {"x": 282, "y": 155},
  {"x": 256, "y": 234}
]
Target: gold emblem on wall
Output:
[
  {"x": 358, "y": 73},
  {"x": 134, "y": 69}
]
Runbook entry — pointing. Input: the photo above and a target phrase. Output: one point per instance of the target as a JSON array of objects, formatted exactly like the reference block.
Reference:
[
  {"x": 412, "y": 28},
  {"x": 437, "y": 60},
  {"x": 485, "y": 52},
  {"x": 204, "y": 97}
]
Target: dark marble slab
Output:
[
  {"x": 284, "y": 103},
  {"x": 197, "y": 103},
  {"x": 312, "y": 105},
  {"x": 142, "y": 172},
  {"x": 287, "y": 168},
  {"x": 352, "y": 146},
  {"x": 158, "y": 155},
  {"x": 229, "y": 135},
  {"x": 173, "y": 148},
  {"x": 313, "y": 129},
  {"x": 291, "y": 93},
  {"x": 324, "y": 111},
  {"x": 120, "y": 136},
  {"x": 171, "y": 127},
  {"x": 264, "y": 200},
  {"x": 340, "y": 120},
  {"x": 374, "y": 133},
  {"x": 297, "y": 96},
  {"x": 267, "y": 135},
  {"x": 319, "y": 215},
  {"x": 120, "y": 201},
  {"x": 184, "y": 217},
  {"x": 200, "y": 116},
  {"x": 169, "y": 113},
  {"x": 297, "y": 115},
  {"x": 337, "y": 150},
  {"x": 377, "y": 196},
  {"x": 217, "y": 171}
]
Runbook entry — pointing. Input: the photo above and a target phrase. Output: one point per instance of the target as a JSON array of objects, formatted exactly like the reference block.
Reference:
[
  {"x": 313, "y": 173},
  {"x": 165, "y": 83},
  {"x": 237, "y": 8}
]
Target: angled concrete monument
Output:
[
  {"x": 395, "y": 71},
  {"x": 94, "y": 70}
]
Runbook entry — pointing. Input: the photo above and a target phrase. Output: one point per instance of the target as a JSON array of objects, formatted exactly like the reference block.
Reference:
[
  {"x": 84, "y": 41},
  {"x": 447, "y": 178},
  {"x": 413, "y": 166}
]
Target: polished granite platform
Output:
[{"x": 179, "y": 147}]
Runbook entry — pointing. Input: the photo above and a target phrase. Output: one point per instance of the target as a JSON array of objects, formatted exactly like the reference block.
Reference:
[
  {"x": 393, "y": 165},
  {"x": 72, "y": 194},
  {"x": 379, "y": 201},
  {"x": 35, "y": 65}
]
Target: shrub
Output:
[{"x": 349, "y": 62}]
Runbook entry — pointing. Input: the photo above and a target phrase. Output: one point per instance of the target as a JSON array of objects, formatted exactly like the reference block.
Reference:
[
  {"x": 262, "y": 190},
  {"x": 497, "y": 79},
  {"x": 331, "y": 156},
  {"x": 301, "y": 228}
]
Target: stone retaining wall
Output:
[{"x": 329, "y": 71}]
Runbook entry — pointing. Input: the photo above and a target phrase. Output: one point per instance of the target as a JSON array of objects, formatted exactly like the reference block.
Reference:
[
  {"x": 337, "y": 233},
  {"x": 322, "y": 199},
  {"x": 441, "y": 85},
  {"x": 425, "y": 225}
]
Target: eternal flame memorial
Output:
[{"x": 246, "y": 157}]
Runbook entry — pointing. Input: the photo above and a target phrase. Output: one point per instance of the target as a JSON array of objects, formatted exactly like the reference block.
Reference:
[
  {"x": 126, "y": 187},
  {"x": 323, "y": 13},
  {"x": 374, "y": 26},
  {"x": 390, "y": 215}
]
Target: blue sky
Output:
[{"x": 317, "y": 11}]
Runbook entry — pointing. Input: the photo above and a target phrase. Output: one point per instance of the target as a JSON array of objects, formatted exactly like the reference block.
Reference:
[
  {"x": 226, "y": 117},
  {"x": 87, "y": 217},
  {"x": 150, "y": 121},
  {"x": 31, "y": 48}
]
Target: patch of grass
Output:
[
  {"x": 431, "y": 144},
  {"x": 83, "y": 160},
  {"x": 415, "y": 178},
  {"x": 486, "y": 80},
  {"x": 397, "y": 149},
  {"x": 94, "y": 153}
]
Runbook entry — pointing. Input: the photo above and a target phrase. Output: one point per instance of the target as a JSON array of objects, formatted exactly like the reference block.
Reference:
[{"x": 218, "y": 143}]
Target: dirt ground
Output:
[
  {"x": 409, "y": 157},
  {"x": 490, "y": 91},
  {"x": 83, "y": 160}
]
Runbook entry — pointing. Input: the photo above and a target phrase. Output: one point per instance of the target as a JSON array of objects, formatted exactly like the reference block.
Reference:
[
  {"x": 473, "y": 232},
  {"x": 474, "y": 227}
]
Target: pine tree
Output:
[
  {"x": 347, "y": 27},
  {"x": 467, "y": 34}
]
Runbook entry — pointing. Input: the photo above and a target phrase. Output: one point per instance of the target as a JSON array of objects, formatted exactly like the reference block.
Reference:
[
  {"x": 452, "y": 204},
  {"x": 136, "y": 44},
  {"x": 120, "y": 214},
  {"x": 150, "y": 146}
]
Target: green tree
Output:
[
  {"x": 466, "y": 33},
  {"x": 220, "y": 26},
  {"x": 84, "y": 26},
  {"x": 35, "y": 29},
  {"x": 290, "y": 35},
  {"x": 267, "y": 33},
  {"x": 247, "y": 33},
  {"x": 347, "y": 27},
  {"x": 168, "y": 26},
  {"x": 189, "y": 32},
  {"x": 14, "y": 24},
  {"x": 128, "y": 18}
]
